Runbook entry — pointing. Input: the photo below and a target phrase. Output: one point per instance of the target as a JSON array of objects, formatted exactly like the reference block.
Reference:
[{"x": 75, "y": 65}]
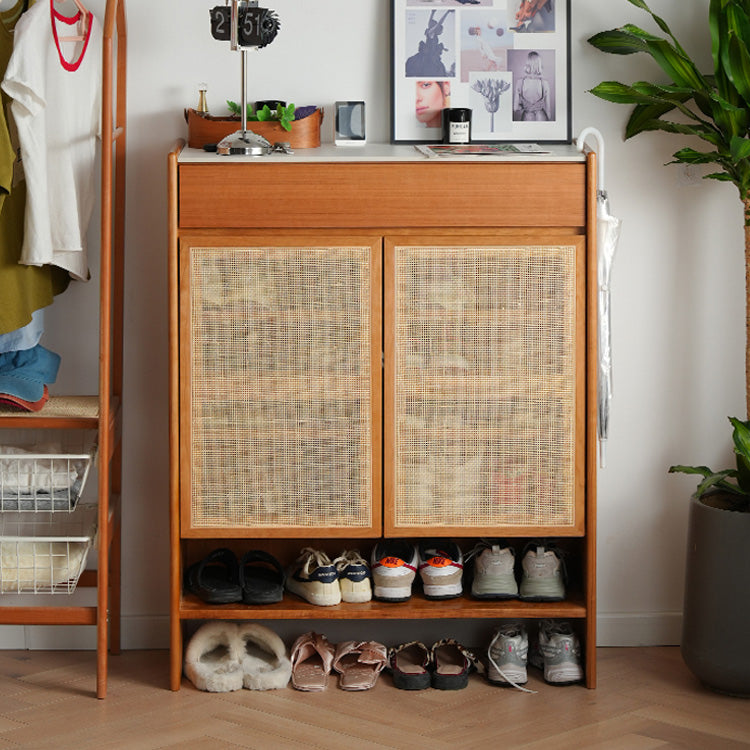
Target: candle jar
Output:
[{"x": 456, "y": 125}]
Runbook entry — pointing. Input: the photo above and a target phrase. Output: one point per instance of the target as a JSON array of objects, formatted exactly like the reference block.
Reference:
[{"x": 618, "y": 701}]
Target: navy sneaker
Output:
[
  {"x": 315, "y": 578},
  {"x": 354, "y": 576}
]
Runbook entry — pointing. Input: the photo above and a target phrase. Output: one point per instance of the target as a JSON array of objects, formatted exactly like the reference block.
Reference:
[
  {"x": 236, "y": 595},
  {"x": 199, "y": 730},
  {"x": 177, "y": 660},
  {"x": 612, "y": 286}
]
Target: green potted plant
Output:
[{"x": 714, "y": 108}]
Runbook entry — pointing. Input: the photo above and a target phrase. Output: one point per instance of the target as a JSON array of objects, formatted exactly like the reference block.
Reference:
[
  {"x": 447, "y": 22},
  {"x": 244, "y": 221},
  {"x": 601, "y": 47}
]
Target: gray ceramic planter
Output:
[{"x": 716, "y": 613}]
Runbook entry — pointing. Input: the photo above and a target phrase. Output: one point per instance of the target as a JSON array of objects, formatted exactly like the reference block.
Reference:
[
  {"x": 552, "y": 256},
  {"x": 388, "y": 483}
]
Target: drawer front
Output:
[
  {"x": 381, "y": 195},
  {"x": 280, "y": 361}
]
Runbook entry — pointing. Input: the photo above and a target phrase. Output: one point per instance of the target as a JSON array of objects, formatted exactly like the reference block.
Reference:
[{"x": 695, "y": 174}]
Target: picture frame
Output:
[{"x": 506, "y": 60}]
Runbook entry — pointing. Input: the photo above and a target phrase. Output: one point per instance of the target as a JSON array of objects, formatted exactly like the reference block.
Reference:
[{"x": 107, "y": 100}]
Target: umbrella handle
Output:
[{"x": 599, "y": 153}]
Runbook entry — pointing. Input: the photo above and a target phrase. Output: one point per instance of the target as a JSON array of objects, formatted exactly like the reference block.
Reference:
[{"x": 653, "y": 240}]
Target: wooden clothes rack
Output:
[{"x": 102, "y": 412}]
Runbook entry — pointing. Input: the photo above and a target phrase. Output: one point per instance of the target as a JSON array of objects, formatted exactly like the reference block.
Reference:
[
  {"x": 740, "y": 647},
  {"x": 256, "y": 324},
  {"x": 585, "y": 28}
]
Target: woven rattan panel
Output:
[
  {"x": 280, "y": 387},
  {"x": 485, "y": 386}
]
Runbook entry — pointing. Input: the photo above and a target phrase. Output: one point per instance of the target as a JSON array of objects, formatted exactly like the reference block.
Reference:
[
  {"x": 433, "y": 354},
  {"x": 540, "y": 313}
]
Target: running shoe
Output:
[
  {"x": 558, "y": 653},
  {"x": 543, "y": 576},
  {"x": 494, "y": 571},
  {"x": 507, "y": 655}
]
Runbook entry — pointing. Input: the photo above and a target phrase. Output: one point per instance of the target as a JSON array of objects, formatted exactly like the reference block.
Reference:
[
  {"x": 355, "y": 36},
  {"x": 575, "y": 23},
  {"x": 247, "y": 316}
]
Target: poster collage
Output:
[{"x": 506, "y": 60}]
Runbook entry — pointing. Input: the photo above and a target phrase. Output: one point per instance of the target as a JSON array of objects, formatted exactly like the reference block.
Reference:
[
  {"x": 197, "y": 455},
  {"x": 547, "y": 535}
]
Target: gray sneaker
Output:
[
  {"x": 558, "y": 653},
  {"x": 507, "y": 655},
  {"x": 494, "y": 572},
  {"x": 542, "y": 579}
]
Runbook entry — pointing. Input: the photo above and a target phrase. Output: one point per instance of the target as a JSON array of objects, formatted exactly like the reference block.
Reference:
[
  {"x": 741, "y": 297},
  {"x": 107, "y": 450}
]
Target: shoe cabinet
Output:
[{"x": 379, "y": 345}]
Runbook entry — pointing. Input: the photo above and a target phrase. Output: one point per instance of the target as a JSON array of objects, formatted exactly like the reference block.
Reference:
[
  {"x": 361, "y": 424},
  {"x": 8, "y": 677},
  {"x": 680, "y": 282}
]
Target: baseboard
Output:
[
  {"x": 642, "y": 629},
  {"x": 152, "y": 631}
]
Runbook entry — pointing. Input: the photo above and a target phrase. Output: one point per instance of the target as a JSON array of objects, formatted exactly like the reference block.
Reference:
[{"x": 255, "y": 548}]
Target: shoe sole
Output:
[
  {"x": 495, "y": 587},
  {"x": 542, "y": 591},
  {"x": 356, "y": 597},
  {"x": 329, "y": 599},
  {"x": 518, "y": 677},
  {"x": 564, "y": 674},
  {"x": 392, "y": 593},
  {"x": 494, "y": 596},
  {"x": 436, "y": 592}
]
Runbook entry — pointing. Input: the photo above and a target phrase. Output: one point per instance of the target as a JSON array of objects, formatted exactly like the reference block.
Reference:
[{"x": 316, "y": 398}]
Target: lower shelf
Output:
[{"x": 417, "y": 608}]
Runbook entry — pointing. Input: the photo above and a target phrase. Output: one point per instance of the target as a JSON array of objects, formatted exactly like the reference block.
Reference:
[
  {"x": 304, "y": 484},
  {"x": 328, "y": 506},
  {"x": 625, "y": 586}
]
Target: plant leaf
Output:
[
  {"x": 691, "y": 156},
  {"x": 718, "y": 481},
  {"x": 738, "y": 69},
  {"x": 617, "y": 42},
  {"x": 720, "y": 176},
  {"x": 704, "y": 471},
  {"x": 679, "y": 68},
  {"x": 740, "y": 148}
]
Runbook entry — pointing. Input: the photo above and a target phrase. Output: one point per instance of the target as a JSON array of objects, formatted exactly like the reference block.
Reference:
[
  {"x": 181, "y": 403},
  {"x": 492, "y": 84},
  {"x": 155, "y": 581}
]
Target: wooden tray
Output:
[{"x": 203, "y": 129}]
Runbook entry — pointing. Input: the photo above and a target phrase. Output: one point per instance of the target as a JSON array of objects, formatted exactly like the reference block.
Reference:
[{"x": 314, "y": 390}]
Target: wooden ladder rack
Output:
[{"x": 103, "y": 412}]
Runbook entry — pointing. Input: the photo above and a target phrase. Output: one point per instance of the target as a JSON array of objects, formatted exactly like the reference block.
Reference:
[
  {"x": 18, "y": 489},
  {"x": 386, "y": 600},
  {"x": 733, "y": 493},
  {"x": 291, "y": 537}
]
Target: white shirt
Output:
[{"x": 56, "y": 92}]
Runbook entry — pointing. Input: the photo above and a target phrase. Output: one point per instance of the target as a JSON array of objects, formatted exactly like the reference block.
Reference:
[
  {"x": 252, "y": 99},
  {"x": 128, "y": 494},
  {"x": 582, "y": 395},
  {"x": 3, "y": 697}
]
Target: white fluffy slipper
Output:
[
  {"x": 265, "y": 664},
  {"x": 213, "y": 658}
]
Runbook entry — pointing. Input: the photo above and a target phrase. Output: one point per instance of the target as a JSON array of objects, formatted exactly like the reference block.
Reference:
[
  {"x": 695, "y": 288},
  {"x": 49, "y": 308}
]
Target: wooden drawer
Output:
[{"x": 383, "y": 195}]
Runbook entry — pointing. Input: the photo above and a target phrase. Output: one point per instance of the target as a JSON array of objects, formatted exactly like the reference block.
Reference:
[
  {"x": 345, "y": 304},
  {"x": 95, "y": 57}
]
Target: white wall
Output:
[{"x": 677, "y": 291}]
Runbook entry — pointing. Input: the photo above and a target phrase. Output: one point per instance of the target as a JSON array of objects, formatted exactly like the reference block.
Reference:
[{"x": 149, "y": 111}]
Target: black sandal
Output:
[
  {"x": 261, "y": 578},
  {"x": 216, "y": 578}
]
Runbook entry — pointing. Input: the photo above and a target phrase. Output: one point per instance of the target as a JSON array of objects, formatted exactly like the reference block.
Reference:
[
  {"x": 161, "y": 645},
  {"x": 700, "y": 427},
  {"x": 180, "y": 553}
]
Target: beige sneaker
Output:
[
  {"x": 354, "y": 576},
  {"x": 315, "y": 578}
]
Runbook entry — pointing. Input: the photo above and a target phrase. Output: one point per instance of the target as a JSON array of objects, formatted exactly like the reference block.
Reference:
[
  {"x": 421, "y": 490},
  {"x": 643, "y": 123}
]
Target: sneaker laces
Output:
[
  {"x": 347, "y": 558},
  {"x": 313, "y": 558},
  {"x": 478, "y": 548}
]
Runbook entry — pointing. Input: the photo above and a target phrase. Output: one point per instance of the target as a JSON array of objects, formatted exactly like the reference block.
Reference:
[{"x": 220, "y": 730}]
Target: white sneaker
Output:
[
  {"x": 494, "y": 572},
  {"x": 507, "y": 655},
  {"x": 315, "y": 578},
  {"x": 394, "y": 567},
  {"x": 354, "y": 576},
  {"x": 441, "y": 567},
  {"x": 558, "y": 653},
  {"x": 542, "y": 577}
]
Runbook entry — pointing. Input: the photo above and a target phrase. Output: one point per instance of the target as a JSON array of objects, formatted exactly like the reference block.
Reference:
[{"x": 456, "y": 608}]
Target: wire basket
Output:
[
  {"x": 40, "y": 476},
  {"x": 45, "y": 553}
]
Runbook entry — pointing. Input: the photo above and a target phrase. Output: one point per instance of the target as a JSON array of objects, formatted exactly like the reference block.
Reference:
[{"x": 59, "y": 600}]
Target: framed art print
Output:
[{"x": 506, "y": 60}]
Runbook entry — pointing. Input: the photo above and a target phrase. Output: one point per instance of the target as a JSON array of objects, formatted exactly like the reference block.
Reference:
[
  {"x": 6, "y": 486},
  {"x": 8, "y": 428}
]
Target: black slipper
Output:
[
  {"x": 215, "y": 579},
  {"x": 261, "y": 578}
]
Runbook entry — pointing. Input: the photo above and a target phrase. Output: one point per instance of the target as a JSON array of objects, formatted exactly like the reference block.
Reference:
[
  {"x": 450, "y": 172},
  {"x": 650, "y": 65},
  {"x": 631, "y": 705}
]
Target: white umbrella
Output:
[{"x": 607, "y": 236}]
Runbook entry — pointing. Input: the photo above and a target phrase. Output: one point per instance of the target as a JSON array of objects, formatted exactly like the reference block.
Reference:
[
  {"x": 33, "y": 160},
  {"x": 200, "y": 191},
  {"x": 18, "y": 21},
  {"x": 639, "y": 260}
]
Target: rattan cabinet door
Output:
[
  {"x": 281, "y": 386},
  {"x": 485, "y": 388}
]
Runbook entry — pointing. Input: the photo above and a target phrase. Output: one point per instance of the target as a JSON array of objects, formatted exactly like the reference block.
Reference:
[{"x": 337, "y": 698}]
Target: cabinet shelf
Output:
[
  {"x": 63, "y": 412},
  {"x": 417, "y": 608}
]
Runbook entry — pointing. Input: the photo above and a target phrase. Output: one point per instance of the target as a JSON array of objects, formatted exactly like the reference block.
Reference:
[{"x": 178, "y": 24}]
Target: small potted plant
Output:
[
  {"x": 299, "y": 126},
  {"x": 714, "y": 108}
]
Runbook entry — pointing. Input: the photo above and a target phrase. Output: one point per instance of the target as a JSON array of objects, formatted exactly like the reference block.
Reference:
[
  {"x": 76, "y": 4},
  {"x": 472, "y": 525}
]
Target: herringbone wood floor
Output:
[{"x": 646, "y": 699}]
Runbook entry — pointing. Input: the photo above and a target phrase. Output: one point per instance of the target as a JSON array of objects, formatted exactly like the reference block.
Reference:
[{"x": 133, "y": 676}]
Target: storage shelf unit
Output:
[
  {"x": 101, "y": 412},
  {"x": 449, "y": 392}
]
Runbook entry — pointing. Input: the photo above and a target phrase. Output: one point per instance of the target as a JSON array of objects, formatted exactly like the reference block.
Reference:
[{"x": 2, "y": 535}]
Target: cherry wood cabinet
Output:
[{"x": 380, "y": 345}]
